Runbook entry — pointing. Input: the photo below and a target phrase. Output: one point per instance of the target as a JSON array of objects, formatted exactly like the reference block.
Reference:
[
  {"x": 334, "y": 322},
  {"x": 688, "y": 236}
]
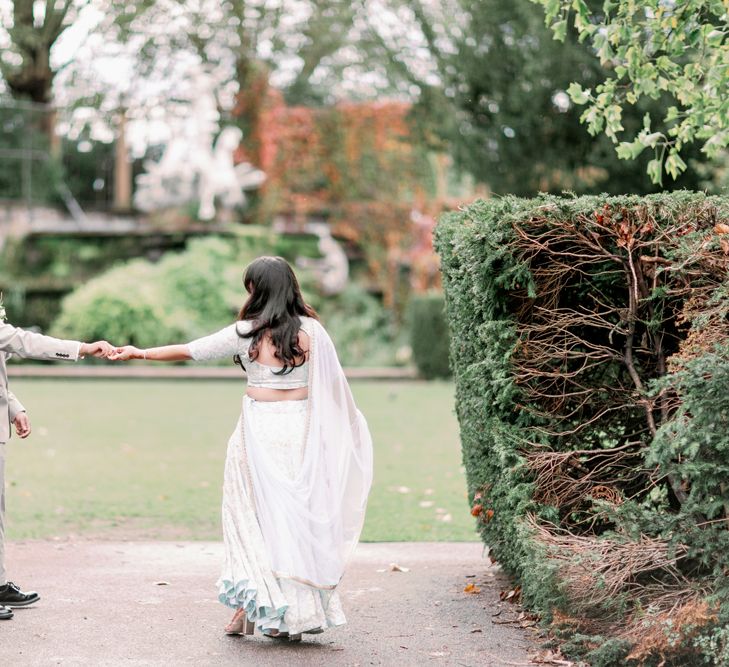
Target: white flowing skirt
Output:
[{"x": 247, "y": 580}]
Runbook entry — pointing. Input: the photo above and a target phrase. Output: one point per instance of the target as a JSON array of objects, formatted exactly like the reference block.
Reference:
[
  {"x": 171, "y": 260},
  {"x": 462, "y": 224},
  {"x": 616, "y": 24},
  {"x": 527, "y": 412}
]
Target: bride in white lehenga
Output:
[{"x": 299, "y": 462}]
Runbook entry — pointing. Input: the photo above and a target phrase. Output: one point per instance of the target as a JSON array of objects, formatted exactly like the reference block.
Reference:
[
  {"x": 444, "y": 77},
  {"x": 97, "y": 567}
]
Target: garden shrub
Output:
[
  {"x": 363, "y": 330},
  {"x": 429, "y": 335},
  {"x": 195, "y": 292},
  {"x": 590, "y": 350},
  {"x": 183, "y": 296},
  {"x": 36, "y": 272}
]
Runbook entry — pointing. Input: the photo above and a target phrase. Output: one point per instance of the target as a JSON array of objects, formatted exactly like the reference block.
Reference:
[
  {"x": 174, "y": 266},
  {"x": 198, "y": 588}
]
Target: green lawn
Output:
[{"x": 144, "y": 459}]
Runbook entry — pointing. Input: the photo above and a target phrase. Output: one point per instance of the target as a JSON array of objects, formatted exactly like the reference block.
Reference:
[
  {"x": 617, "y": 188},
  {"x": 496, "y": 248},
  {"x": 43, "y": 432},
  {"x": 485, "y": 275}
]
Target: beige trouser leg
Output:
[{"x": 2, "y": 514}]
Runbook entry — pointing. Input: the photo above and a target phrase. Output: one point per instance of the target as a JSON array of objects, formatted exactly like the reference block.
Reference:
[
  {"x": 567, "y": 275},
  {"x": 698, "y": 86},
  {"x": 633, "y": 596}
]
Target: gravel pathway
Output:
[{"x": 153, "y": 603}]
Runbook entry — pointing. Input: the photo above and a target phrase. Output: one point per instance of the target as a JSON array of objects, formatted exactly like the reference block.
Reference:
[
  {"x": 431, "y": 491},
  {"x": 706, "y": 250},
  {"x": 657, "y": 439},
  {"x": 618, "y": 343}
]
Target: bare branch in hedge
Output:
[
  {"x": 565, "y": 479},
  {"x": 597, "y": 572}
]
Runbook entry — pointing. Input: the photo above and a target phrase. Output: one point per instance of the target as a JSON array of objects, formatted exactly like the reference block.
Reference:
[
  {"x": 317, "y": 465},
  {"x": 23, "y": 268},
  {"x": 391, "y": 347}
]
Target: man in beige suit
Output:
[{"x": 34, "y": 346}]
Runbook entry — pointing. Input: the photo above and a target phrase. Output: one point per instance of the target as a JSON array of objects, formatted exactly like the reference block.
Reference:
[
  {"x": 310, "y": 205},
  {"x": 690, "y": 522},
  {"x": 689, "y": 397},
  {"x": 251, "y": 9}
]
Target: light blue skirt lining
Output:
[{"x": 242, "y": 596}]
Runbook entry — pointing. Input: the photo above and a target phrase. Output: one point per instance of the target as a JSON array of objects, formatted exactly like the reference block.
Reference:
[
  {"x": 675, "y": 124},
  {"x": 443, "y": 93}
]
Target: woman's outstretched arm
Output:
[
  {"x": 163, "y": 353},
  {"x": 223, "y": 343}
]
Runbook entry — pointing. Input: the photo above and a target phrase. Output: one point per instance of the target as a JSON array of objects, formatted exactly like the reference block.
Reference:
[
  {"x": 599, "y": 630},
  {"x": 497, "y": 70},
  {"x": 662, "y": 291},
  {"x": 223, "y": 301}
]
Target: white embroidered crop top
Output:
[{"x": 227, "y": 343}]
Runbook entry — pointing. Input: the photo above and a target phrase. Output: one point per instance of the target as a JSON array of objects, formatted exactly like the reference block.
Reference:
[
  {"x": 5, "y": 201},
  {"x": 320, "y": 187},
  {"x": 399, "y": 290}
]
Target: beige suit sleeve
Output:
[
  {"x": 15, "y": 407},
  {"x": 27, "y": 344}
]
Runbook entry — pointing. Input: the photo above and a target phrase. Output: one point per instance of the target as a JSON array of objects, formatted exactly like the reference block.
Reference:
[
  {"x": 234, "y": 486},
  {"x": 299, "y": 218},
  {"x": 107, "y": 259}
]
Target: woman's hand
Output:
[{"x": 126, "y": 353}]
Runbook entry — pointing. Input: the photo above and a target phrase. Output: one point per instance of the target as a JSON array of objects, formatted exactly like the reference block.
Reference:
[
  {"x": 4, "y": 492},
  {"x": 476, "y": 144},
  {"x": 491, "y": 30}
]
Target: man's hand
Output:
[
  {"x": 22, "y": 424},
  {"x": 100, "y": 349},
  {"x": 125, "y": 353}
]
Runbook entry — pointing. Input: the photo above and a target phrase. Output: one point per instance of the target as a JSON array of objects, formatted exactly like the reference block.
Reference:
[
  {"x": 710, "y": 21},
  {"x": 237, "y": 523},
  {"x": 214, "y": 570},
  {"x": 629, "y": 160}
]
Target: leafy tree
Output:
[
  {"x": 494, "y": 89},
  {"x": 158, "y": 49},
  {"x": 651, "y": 49},
  {"x": 297, "y": 45}
]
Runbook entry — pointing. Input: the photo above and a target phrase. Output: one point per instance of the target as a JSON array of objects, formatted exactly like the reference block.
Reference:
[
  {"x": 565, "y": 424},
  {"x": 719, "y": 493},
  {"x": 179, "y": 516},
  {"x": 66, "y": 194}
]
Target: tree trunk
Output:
[
  {"x": 33, "y": 41},
  {"x": 122, "y": 168}
]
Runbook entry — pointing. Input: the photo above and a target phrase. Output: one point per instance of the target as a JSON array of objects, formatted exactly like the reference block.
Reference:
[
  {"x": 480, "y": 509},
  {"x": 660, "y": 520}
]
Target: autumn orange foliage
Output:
[{"x": 358, "y": 167}]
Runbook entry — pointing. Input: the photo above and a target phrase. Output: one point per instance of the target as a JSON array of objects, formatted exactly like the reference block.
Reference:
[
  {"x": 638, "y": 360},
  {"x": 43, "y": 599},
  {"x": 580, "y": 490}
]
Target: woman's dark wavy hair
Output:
[{"x": 274, "y": 306}]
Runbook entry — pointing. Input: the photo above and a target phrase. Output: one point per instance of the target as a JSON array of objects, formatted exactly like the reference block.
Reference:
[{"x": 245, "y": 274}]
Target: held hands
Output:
[
  {"x": 105, "y": 350},
  {"x": 22, "y": 425},
  {"x": 178, "y": 352},
  {"x": 125, "y": 353},
  {"x": 101, "y": 349}
]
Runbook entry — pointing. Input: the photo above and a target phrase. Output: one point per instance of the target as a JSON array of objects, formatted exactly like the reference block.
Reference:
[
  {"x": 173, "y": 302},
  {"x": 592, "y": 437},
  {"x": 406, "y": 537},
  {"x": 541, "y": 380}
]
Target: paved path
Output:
[{"x": 102, "y": 605}]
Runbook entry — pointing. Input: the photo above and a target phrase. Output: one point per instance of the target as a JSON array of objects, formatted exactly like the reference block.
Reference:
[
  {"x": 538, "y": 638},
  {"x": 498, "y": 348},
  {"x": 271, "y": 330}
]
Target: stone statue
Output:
[
  {"x": 192, "y": 167},
  {"x": 332, "y": 269},
  {"x": 221, "y": 177}
]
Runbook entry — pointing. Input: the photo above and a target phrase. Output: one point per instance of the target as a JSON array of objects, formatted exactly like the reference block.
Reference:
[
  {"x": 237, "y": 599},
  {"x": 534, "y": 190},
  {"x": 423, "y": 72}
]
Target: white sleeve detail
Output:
[{"x": 224, "y": 343}]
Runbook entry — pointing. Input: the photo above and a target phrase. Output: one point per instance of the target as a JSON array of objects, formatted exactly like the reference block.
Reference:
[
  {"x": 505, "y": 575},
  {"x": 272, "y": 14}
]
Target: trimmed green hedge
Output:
[
  {"x": 429, "y": 335},
  {"x": 590, "y": 350}
]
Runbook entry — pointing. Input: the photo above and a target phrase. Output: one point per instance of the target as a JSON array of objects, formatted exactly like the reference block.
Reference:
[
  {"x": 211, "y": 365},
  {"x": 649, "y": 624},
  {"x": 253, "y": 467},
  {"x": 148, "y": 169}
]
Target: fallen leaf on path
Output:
[
  {"x": 501, "y": 661},
  {"x": 476, "y": 630},
  {"x": 161, "y": 583},
  {"x": 472, "y": 588},
  {"x": 523, "y": 620},
  {"x": 549, "y": 657},
  {"x": 394, "y": 567},
  {"x": 510, "y": 596}
]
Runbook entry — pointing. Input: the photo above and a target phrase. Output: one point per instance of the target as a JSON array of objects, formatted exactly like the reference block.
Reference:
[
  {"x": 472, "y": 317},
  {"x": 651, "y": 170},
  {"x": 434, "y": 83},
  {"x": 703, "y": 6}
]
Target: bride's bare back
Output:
[{"x": 267, "y": 357}]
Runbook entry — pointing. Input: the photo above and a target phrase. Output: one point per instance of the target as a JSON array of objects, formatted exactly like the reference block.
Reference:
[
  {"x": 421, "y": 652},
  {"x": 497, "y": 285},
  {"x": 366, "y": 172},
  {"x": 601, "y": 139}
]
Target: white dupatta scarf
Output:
[{"x": 311, "y": 524}]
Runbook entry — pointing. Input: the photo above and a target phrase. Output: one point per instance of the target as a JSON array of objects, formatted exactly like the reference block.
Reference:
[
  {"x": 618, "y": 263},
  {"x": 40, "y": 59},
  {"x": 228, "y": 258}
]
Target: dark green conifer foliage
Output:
[
  {"x": 590, "y": 350},
  {"x": 429, "y": 335}
]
